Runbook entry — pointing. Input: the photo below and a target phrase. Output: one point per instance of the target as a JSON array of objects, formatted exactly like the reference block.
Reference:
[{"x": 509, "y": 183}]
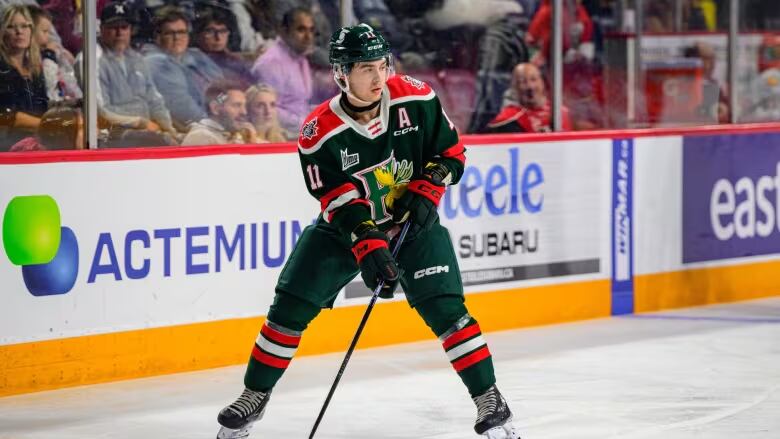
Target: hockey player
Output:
[{"x": 379, "y": 154}]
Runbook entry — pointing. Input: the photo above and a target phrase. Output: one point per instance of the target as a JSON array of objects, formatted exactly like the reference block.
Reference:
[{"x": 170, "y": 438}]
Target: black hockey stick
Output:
[{"x": 351, "y": 349}]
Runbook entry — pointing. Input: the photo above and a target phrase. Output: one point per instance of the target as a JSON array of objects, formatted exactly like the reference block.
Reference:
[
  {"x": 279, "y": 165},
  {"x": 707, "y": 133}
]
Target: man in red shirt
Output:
[
  {"x": 577, "y": 25},
  {"x": 527, "y": 110}
]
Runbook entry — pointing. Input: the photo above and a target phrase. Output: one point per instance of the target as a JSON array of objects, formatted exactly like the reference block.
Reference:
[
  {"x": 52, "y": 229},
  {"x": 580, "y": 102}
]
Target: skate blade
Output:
[
  {"x": 229, "y": 433},
  {"x": 506, "y": 431}
]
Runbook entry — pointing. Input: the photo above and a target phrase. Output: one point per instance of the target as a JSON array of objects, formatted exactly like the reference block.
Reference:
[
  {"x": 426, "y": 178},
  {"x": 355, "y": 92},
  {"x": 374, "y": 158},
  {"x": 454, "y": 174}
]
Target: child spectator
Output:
[{"x": 57, "y": 62}]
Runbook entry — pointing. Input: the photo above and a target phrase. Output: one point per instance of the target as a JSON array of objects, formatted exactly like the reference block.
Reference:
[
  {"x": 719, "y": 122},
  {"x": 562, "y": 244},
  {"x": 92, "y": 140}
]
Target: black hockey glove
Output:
[
  {"x": 418, "y": 204},
  {"x": 371, "y": 249}
]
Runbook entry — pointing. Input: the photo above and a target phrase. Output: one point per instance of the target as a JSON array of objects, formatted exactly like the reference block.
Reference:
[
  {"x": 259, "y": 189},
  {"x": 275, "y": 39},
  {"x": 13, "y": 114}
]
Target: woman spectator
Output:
[
  {"x": 57, "y": 63},
  {"x": 261, "y": 107},
  {"x": 22, "y": 86},
  {"x": 60, "y": 128}
]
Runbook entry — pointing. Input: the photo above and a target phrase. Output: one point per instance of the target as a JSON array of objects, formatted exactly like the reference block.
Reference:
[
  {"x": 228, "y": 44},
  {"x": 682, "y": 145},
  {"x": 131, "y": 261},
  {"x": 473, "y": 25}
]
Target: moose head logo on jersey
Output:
[
  {"x": 395, "y": 175},
  {"x": 384, "y": 183}
]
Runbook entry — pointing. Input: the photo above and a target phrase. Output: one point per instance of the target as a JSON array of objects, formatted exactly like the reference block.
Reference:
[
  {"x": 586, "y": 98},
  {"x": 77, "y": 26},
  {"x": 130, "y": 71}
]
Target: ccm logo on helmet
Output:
[{"x": 431, "y": 270}]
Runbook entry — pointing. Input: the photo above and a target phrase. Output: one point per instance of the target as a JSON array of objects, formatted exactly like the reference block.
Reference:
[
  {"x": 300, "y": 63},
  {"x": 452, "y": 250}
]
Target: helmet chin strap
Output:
[{"x": 354, "y": 108}]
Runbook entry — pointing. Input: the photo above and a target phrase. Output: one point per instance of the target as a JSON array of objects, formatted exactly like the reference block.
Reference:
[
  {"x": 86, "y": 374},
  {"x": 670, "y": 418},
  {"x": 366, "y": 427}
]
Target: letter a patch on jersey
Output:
[
  {"x": 403, "y": 118},
  {"x": 348, "y": 160}
]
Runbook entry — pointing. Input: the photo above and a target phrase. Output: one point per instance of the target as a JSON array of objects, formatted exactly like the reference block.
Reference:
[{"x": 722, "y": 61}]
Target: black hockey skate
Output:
[
  {"x": 237, "y": 418},
  {"x": 494, "y": 419}
]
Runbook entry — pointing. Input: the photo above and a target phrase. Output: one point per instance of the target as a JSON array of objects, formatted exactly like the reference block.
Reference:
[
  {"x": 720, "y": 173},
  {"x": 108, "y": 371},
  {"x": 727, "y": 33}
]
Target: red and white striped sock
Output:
[
  {"x": 276, "y": 345},
  {"x": 469, "y": 354},
  {"x": 464, "y": 344}
]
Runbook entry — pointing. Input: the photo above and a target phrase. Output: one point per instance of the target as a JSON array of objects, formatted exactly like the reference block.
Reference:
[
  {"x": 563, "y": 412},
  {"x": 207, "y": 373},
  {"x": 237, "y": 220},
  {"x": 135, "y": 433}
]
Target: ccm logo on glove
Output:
[
  {"x": 428, "y": 190},
  {"x": 367, "y": 246}
]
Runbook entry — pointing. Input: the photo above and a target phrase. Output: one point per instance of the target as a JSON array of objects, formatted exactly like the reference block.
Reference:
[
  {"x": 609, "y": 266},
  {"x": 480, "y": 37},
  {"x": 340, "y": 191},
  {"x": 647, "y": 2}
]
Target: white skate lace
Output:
[
  {"x": 487, "y": 403},
  {"x": 247, "y": 403}
]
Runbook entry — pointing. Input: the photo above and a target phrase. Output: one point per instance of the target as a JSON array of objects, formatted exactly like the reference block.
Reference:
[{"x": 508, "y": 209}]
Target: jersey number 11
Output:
[{"x": 314, "y": 177}]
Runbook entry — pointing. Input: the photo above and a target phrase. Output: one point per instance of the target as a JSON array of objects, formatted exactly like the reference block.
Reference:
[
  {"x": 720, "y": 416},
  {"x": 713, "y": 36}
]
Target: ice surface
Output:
[{"x": 710, "y": 372}]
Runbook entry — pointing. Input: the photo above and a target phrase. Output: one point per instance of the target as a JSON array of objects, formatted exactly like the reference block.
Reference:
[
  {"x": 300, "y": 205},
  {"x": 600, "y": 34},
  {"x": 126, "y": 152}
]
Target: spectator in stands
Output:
[
  {"x": 325, "y": 14},
  {"x": 180, "y": 73},
  {"x": 60, "y": 128},
  {"x": 577, "y": 35},
  {"x": 53, "y": 40},
  {"x": 66, "y": 32},
  {"x": 212, "y": 31},
  {"x": 715, "y": 104},
  {"x": 500, "y": 50},
  {"x": 286, "y": 68},
  {"x": 22, "y": 86},
  {"x": 528, "y": 109},
  {"x": 226, "y": 122},
  {"x": 127, "y": 98},
  {"x": 261, "y": 107},
  {"x": 57, "y": 63},
  {"x": 52, "y": 6}
]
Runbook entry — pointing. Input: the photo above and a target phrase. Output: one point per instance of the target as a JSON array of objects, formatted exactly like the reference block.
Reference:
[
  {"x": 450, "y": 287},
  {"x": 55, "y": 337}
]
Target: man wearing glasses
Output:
[
  {"x": 181, "y": 73},
  {"x": 212, "y": 33}
]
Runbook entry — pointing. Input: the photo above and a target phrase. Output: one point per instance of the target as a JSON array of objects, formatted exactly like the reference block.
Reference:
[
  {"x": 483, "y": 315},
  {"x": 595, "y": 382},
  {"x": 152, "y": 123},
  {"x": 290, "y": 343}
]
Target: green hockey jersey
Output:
[{"x": 353, "y": 169}]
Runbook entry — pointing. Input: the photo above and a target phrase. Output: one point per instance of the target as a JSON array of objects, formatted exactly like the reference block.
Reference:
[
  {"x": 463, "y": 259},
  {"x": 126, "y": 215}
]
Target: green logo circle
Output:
[{"x": 31, "y": 229}]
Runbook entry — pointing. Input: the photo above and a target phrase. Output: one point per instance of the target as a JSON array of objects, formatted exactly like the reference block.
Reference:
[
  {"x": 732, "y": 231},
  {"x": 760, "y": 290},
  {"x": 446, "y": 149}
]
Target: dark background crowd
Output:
[{"x": 206, "y": 72}]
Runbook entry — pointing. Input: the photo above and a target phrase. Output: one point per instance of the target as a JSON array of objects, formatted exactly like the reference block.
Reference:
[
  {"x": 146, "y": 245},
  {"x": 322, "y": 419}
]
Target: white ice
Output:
[{"x": 709, "y": 372}]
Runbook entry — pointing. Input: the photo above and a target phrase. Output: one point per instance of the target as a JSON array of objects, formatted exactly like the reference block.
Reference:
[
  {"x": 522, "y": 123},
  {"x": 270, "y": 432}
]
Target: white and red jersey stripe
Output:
[
  {"x": 465, "y": 347},
  {"x": 375, "y": 127},
  {"x": 345, "y": 194},
  {"x": 276, "y": 345}
]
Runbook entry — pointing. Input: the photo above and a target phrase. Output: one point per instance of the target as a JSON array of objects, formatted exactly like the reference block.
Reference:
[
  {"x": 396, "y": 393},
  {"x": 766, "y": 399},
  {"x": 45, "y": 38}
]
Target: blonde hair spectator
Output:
[
  {"x": 261, "y": 107},
  {"x": 56, "y": 61},
  {"x": 16, "y": 18},
  {"x": 23, "y": 96}
]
